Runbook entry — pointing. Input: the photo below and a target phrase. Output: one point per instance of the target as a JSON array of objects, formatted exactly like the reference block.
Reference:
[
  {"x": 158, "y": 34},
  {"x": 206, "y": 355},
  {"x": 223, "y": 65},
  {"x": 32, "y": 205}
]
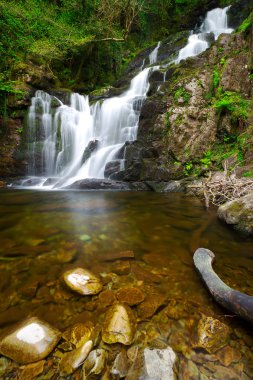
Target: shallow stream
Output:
[{"x": 42, "y": 234}]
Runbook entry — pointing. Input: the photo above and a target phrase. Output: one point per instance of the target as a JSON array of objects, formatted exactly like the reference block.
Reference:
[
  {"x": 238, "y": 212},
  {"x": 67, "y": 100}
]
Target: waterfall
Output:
[
  {"x": 61, "y": 136},
  {"x": 215, "y": 23},
  {"x": 153, "y": 54}
]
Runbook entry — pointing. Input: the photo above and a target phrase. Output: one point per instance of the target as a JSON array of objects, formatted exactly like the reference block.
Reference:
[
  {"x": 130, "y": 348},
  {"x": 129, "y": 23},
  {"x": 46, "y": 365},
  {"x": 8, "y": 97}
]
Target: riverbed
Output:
[{"x": 139, "y": 239}]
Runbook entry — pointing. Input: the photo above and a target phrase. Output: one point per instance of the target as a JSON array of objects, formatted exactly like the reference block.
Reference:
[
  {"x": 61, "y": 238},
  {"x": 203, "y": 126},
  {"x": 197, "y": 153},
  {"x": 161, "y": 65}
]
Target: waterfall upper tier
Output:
[{"x": 214, "y": 24}]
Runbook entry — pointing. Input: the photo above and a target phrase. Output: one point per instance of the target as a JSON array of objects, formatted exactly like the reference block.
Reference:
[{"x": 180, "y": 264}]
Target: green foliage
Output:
[
  {"x": 188, "y": 167},
  {"x": 216, "y": 78},
  {"x": 233, "y": 103},
  {"x": 181, "y": 93},
  {"x": 248, "y": 173},
  {"x": 246, "y": 25},
  {"x": 207, "y": 159}
]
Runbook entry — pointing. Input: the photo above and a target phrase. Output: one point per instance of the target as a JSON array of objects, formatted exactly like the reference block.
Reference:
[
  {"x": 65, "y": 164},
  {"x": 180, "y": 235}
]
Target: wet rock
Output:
[
  {"x": 72, "y": 360},
  {"x": 130, "y": 296},
  {"x": 112, "y": 256},
  {"x": 106, "y": 298},
  {"x": 119, "y": 325},
  {"x": 228, "y": 355},
  {"x": 120, "y": 366},
  {"x": 153, "y": 364},
  {"x": 111, "y": 168},
  {"x": 225, "y": 373},
  {"x": 94, "y": 364},
  {"x": 29, "y": 341},
  {"x": 32, "y": 370},
  {"x": 121, "y": 268},
  {"x": 150, "y": 305},
  {"x": 239, "y": 213},
  {"x": 82, "y": 281},
  {"x": 79, "y": 333},
  {"x": 98, "y": 184},
  {"x": 91, "y": 147},
  {"x": 212, "y": 334},
  {"x": 4, "y": 364}
]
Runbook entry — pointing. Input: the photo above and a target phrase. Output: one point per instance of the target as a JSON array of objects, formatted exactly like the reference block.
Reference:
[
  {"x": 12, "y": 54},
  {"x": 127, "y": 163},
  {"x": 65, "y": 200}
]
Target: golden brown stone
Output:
[
  {"x": 72, "y": 360},
  {"x": 30, "y": 371},
  {"x": 29, "y": 341},
  {"x": 131, "y": 296},
  {"x": 79, "y": 333},
  {"x": 228, "y": 355},
  {"x": 149, "y": 306},
  {"x": 212, "y": 334},
  {"x": 82, "y": 281},
  {"x": 106, "y": 298},
  {"x": 119, "y": 325}
]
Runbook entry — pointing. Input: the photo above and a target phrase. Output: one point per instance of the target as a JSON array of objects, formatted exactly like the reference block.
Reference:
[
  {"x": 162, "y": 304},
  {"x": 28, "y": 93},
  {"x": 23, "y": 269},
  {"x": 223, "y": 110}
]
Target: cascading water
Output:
[
  {"x": 215, "y": 23},
  {"x": 77, "y": 141},
  {"x": 60, "y": 134}
]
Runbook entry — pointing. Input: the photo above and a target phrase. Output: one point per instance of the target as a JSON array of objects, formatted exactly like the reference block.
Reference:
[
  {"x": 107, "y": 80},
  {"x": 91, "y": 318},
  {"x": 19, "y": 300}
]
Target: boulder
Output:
[
  {"x": 98, "y": 184},
  {"x": 29, "y": 341},
  {"x": 239, "y": 213}
]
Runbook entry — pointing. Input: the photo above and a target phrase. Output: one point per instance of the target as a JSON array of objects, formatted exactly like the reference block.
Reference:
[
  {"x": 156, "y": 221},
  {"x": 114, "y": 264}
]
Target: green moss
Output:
[
  {"x": 246, "y": 25},
  {"x": 181, "y": 93},
  {"x": 233, "y": 103},
  {"x": 216, "y": 78}
]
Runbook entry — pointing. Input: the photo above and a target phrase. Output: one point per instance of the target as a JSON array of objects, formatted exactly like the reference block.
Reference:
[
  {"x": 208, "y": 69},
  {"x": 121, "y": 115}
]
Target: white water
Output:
[
  {"x": 215, "y": 22},
  {"x": 61, "y": 134}
]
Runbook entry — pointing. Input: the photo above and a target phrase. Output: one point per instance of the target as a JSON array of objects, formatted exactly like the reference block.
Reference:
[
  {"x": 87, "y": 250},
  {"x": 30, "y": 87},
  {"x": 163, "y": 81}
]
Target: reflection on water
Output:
[{"x": 43, "y": 234}]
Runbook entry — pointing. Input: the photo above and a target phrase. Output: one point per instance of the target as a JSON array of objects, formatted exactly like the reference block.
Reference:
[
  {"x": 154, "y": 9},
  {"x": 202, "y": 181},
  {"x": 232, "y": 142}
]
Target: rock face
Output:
[
  {"x": 30, "y": 341},
  {"x": 82, "y": 281},
  {"x": 239, "y": 213},
  {"x": 119, "y": 325}
]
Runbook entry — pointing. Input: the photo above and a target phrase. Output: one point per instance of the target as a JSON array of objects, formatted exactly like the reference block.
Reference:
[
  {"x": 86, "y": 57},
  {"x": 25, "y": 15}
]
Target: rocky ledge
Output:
[{"x": 239, "y": 213}]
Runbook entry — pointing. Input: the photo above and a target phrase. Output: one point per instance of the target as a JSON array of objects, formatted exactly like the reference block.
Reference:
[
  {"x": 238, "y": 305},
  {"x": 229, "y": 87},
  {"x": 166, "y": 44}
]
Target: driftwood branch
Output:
[
  {"x": 225, "y": 188},
  {"x": 236, "y": 302}
]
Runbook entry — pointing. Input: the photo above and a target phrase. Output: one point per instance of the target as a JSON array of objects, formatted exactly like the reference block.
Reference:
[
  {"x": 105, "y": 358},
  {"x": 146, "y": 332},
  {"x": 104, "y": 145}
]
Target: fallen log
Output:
[{"x": 238, "y": 303}]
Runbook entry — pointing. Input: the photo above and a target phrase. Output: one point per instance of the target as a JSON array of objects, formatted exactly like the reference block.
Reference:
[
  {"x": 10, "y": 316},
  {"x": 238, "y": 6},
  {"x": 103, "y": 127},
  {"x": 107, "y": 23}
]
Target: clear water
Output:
[{"x": 43, "y": 234}]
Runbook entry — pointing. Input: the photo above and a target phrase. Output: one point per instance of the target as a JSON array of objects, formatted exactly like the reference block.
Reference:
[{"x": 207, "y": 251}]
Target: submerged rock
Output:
[
  {"x": 79, "y": 333},
  {"x": 130, "y": 296},
  {"x": 29, "y": 341},
  {"x": 82, "y": 281},
  {"x": 31, "y": 371},
  {"x": 157, "y": 364},
  {"x": 120, "y": 366},
  {"x": 94, "y": 364},
  {"x": 239, "y": 213},
  {"x": 212, "y": 334},
  {"x": 119, "y": 325},
  {"x": 72, "y": 360}
]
